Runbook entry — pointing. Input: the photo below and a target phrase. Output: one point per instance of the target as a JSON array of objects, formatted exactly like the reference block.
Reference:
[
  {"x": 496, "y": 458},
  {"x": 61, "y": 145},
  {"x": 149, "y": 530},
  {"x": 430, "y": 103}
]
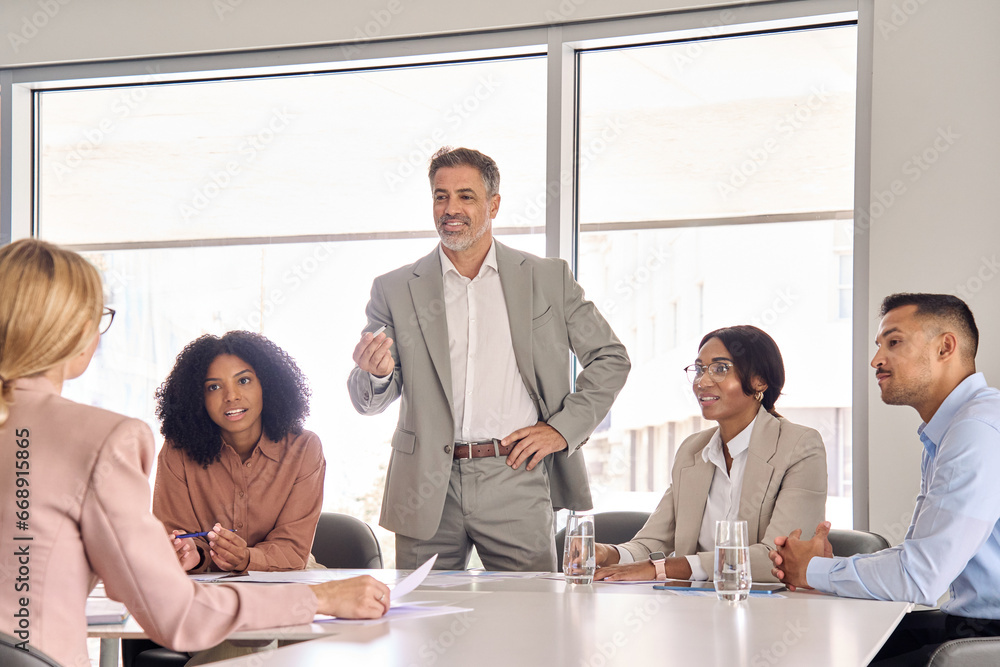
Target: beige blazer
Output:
[
  {"x": 549, "y": 318},
  {"x": 88, "y": 517},
  {"x": 784, "y": 488}
]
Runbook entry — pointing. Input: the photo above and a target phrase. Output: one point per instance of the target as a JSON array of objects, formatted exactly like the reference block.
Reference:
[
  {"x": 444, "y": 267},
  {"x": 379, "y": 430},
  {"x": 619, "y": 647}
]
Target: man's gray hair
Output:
[{"x": 460, "y": 157}]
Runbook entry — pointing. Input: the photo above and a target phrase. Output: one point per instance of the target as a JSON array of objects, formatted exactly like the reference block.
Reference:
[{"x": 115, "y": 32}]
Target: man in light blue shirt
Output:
[{"x": 926, "y": 359}]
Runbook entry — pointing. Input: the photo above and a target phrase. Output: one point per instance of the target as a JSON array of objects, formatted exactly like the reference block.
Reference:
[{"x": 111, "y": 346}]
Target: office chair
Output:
[
  {"x": 850, "y": 542},
  {"x": 343, "y": 541},
  {"x": 970, "y": 652},
  {"x": 609, "y": 528},
  {"x": 11, "y": 656}
]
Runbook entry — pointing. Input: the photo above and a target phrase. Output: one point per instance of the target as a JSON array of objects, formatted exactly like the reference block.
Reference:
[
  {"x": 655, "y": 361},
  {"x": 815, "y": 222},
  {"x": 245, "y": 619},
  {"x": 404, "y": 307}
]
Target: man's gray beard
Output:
[{"x": 460, "y": 242}]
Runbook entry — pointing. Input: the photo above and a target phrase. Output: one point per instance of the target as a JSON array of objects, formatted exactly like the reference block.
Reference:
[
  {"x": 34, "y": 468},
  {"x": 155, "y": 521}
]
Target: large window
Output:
[
  {"x": 270, "y": 205},
  {"x": 687, "y": 151},
  {"x": 713, "y": 186}
]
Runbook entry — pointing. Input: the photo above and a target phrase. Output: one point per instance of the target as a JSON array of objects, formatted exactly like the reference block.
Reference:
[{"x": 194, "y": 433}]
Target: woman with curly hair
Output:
[{"x": 236, "y": 461}]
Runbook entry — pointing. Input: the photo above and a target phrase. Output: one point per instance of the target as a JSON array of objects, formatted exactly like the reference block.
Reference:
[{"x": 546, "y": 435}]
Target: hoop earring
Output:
[{"x": 759, "y": 397}]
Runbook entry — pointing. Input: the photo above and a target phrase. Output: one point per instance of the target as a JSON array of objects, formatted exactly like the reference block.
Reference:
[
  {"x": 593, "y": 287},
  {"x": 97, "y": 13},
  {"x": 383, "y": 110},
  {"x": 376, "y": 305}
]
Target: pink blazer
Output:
[{"x": 87, "y": 516}]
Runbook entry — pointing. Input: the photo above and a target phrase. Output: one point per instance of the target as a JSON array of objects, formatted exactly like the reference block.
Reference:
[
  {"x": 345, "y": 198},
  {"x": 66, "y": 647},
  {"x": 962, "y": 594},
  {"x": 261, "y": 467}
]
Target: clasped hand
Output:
[
  {"x": 792, "y": 556},
  {"x": 227, "y": 550}
]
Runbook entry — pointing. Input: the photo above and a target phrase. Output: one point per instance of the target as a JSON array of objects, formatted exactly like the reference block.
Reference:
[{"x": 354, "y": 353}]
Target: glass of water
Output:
[
  {"x": 579, "y": 559},
  {"x": 732, "y": 561}
]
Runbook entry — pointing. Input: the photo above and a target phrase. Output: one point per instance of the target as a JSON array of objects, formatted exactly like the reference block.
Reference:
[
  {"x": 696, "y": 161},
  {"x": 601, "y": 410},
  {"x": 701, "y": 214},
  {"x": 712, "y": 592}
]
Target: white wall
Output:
[
  {"x": 42, "y": 31},
  {"x": 935, "y": 91}
]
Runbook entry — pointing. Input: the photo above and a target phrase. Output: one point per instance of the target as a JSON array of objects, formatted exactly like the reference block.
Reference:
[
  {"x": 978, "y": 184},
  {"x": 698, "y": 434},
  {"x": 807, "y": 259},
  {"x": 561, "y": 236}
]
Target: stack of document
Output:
[{"x": 101, "y": 611}]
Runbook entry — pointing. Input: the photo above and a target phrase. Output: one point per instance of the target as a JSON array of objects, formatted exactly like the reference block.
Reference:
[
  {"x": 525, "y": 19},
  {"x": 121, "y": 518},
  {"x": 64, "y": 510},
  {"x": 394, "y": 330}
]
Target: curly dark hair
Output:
[{"x": 180, "y": 400}]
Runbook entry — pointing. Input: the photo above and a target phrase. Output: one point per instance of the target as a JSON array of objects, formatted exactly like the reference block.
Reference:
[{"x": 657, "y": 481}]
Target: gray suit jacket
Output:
[
  {"x": 549, "y": 318},
  {"x": 784, "y": 488}
]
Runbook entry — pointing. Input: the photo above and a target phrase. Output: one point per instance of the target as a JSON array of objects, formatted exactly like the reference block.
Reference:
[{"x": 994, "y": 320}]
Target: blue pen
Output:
[{"x": 202, "y": 534}]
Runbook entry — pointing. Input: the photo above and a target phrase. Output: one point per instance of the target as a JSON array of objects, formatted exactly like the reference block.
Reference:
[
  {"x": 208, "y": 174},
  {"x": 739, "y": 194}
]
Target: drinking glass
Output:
[
  {"x": 732, "y": 561},
  {"x": 579, "y": 559}
]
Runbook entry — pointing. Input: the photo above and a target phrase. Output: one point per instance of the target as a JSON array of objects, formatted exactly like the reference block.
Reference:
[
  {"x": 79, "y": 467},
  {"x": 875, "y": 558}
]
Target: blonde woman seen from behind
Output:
[{"x": 83, "y": 512}]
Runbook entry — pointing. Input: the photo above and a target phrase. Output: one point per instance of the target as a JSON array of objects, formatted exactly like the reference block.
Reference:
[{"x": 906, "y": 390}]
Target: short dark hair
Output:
[
  {"x": 755, "y": 354},
  {"x": 180, "y": 400},
  {"x": 939, "y": 306},
  {"x": 467, "y": 157}
]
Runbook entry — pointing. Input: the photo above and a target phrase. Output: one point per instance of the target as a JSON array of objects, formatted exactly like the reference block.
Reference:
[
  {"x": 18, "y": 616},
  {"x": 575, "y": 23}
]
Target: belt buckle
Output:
[{"x": 466, "y": 444}]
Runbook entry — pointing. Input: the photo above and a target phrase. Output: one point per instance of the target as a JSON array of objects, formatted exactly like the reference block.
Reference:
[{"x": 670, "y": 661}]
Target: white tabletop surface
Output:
[{"x": 521, "y": 622}]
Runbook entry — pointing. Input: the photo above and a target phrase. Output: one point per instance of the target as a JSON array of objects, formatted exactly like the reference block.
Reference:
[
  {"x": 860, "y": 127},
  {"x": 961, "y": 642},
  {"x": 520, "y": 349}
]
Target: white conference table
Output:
[{"x": 536, "y": 621}]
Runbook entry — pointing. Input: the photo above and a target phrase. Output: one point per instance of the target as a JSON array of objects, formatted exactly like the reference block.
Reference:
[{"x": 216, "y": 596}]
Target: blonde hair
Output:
[{"x": 50, "y": 308}]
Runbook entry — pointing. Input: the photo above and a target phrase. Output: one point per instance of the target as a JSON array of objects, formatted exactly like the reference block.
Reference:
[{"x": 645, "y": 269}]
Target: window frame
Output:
[{"x": 561, "y": 44}]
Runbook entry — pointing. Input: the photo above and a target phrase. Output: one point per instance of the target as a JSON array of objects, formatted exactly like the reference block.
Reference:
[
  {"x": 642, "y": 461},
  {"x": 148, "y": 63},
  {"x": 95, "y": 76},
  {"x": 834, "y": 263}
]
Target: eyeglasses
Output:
[
  {"x": 107, "y": 317},
  {"x": 716, "y": 371}
]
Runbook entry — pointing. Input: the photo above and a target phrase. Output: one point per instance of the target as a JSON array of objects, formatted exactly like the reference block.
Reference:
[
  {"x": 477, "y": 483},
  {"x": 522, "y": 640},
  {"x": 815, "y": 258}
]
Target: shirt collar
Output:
[
  {"x": 739, "y": 444},
  {"x": 931, "y": 432},
  {"x": 265, "y": 446},
  {"x": 270, "y": 448},
  {"x": 490, "y": 261}
]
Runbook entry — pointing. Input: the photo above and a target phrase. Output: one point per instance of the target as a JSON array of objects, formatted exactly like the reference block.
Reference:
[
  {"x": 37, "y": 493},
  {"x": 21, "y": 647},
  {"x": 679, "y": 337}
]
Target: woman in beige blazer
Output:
[
  {"x": 754, "y": 466},
  {"x": 82, "y": 510}
]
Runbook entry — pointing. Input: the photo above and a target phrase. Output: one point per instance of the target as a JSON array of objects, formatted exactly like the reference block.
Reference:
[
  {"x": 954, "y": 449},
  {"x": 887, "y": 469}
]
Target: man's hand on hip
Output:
[
  {"x": 536, "y": 442},
  {"x": 372, "y": 354}
]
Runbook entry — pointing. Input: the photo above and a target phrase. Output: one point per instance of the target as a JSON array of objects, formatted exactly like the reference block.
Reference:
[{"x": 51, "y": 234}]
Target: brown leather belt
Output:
[{"x": 478, "y": 450}]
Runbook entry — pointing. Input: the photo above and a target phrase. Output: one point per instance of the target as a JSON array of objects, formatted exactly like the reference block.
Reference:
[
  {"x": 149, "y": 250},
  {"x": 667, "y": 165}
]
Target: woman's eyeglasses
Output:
[
  {"x": 107, "y": 317},
  {"x": 716, "y": 371}
]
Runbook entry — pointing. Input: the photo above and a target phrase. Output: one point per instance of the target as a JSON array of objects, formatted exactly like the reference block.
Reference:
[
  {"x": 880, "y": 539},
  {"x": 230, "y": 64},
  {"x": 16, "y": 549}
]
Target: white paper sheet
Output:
[
  {"x": 413, "y": 580},
  {"x": 397, "y": 609},
  {"x": 400, "y": 611}
]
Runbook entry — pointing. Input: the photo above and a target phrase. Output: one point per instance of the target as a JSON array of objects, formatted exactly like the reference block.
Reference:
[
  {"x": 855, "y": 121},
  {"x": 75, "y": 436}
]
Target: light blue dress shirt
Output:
[{"x": 953, "y": 542}]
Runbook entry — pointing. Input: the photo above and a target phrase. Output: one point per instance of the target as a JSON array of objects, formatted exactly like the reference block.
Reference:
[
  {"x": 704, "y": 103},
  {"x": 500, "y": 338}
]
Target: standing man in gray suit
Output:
[{"x": 476, "y": 338}]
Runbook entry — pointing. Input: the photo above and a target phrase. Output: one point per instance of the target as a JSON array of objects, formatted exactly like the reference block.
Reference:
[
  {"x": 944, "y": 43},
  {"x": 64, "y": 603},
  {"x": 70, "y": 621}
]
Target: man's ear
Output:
[{"x": 947, "y": 346}]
